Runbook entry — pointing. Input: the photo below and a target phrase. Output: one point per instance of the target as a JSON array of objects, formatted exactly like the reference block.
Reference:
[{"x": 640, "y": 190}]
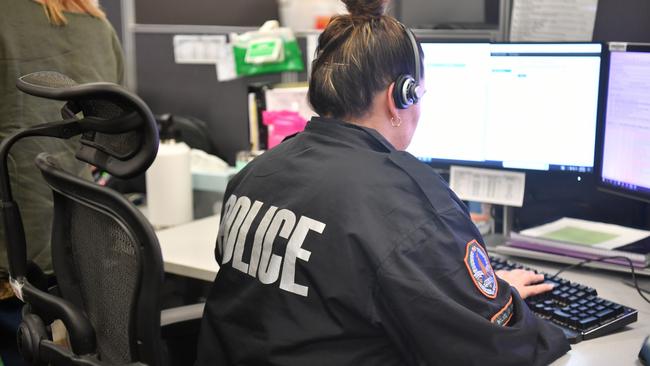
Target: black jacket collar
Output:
[{"x": 349, "y": 132}]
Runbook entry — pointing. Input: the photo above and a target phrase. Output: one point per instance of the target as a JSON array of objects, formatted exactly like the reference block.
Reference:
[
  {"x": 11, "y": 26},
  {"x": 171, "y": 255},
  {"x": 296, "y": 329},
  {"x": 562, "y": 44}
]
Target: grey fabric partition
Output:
[
  {"x": 623, "y": 20},
  {"x": 113, "y": 9},
  {"x": 206, "y": 12}
]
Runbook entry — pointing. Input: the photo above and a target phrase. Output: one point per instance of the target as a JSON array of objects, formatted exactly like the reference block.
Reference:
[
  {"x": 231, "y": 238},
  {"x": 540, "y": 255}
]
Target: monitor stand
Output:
[{"x": 492, "y": 240}]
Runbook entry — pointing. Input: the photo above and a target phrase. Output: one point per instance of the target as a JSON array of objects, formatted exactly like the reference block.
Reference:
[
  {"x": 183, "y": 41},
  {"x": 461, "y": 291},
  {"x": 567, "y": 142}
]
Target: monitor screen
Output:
[
  {"x": 625, "y": 160},
  {"x": 531, "y": 106}
]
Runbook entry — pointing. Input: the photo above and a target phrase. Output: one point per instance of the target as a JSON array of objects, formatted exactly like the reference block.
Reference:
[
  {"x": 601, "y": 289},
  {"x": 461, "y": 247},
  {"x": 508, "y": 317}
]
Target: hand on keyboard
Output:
[
  {"x": 527, "y": 283},
  {"x": 574, "y": 307}
]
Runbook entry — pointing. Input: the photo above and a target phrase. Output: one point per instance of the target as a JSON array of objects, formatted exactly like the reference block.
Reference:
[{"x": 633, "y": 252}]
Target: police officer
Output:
[{"x": 338, "y": 248}]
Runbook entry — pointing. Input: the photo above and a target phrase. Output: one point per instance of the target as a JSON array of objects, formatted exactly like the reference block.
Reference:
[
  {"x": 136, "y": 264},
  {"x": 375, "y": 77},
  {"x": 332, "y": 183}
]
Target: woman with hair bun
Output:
[{"x": 337, "y": 247}]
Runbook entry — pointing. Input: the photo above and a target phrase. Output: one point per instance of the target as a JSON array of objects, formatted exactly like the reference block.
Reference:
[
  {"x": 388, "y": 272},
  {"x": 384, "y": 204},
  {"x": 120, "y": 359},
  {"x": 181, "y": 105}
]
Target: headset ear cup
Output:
[
  {"x": 29, "y": 335},
  {"x": 403, "y": 91}
]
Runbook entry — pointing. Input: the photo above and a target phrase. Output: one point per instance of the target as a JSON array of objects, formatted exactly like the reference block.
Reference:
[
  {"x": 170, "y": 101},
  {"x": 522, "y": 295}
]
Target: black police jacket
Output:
[{"x": 337, "y": 249}]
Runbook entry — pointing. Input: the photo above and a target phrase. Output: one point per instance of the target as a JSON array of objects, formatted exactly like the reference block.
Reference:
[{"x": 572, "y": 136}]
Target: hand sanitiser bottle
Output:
[{"x": 169, "y": 183}]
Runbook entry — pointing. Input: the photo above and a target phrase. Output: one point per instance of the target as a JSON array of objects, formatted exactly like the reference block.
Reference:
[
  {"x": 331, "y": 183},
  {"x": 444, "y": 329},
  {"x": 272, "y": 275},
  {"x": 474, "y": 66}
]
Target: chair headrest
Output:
[{"x": 120, "y": 134}]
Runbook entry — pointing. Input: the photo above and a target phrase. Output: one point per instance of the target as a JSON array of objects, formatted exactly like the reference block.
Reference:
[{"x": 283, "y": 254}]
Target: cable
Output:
[
  {"x": 603, "y": 259},
  {"x": 630, "y": 283}
]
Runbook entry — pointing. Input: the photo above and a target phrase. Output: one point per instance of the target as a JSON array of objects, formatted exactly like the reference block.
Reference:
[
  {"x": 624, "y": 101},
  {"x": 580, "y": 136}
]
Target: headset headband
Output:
[{"x": 416, "y": 52}]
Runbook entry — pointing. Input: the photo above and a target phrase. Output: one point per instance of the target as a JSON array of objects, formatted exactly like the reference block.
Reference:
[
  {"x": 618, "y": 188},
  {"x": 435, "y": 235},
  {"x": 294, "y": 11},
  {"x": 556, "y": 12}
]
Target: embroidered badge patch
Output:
[{"x": 480, "y": 269}]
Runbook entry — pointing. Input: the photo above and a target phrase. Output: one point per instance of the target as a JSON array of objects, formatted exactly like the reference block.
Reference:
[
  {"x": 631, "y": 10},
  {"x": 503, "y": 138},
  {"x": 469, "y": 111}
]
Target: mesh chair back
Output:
[{"x": 108, "y": 263}]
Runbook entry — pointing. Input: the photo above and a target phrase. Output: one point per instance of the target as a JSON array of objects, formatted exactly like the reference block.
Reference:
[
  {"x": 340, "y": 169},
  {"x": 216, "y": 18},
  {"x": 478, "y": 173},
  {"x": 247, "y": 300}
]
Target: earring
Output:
[{"x": 394, "y": 123}]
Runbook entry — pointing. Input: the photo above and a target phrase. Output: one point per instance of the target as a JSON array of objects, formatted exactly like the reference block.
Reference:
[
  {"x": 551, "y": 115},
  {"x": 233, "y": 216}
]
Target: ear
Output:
[{"x": 390, "y": 102}]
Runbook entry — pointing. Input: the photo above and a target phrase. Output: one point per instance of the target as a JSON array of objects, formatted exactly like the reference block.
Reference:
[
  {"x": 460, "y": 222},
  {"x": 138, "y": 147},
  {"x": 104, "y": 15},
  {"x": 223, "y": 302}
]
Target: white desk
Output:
[{"x": 188, "y": 250}]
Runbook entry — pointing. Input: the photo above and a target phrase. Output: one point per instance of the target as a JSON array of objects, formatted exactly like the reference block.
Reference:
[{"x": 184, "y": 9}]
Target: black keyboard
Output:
[{"x": 576, "y": 308}]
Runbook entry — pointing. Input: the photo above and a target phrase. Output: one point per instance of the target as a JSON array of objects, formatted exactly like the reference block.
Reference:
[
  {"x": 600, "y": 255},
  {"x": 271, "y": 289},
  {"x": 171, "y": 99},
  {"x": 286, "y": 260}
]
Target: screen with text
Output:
[{"x": 510, "y": 105}]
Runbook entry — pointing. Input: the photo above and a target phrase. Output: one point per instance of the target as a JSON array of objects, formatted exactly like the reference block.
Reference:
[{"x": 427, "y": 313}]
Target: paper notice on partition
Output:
[
  {"x": 198, "y": 49},
  {"x": 488, "y": 185},
  {"x": 588, "y": 233},
  {"x": 553, "y": 20}
]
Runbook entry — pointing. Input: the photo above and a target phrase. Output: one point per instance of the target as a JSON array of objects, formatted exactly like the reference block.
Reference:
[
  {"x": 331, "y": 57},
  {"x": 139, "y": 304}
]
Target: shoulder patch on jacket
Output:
[{"x": 480, "y": 270}]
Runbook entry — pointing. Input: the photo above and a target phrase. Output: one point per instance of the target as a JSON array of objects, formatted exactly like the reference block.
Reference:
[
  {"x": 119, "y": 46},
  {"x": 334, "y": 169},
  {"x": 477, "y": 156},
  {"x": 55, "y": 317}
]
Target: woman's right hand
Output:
[{"x": 527, "y": 283}]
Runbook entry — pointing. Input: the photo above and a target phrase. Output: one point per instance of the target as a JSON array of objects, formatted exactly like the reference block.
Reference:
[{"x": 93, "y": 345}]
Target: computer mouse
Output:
[{"x": 644, "y": 353}]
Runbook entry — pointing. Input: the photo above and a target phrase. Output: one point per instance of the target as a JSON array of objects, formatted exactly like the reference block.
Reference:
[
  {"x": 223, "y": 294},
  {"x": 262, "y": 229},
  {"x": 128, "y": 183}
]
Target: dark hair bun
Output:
[{"x": 373, "y": 8}]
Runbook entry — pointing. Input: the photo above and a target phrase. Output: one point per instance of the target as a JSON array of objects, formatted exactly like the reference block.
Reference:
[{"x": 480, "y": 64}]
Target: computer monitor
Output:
[
  {"x": 530, "y": 106},
  {"x": 624, "y": 159}
]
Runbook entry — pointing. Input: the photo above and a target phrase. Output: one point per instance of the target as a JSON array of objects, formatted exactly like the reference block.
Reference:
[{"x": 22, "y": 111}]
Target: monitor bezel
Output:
[
  {"x": 600, "y": 136},
  {"x": 444, "y": 164}
]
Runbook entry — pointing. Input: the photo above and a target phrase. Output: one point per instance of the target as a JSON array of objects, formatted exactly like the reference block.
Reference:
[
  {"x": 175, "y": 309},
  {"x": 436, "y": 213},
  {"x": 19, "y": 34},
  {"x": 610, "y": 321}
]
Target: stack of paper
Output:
[{"x": 587, "y": 240}]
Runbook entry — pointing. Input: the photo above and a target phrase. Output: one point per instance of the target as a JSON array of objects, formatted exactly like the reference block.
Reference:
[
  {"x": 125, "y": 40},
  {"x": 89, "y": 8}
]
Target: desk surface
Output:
[{"x": 188, "y": 250}]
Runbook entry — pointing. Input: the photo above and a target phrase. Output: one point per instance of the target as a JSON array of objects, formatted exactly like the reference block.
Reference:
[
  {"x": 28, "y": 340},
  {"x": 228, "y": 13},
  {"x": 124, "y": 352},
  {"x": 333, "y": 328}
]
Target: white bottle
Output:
[{"x": 169, "y": 186}]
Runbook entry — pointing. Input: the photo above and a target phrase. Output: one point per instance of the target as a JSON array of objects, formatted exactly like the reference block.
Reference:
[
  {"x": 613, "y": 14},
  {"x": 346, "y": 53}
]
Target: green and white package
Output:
[{"x": 271, "y": 49}]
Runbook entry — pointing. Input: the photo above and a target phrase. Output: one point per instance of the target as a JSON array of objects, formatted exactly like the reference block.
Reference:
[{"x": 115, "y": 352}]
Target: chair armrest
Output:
[
  {"x": 180, "y": 331},
  {"x": 181, "y": 314}
]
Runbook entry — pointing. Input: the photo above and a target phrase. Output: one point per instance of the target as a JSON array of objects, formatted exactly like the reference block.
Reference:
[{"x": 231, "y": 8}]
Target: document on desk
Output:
[
  {"x": 587, "y": 233},
  {"x": 553, "y": 20},
  {"x": 488, "y": 185},
  {"x": 587, "y": 240}
]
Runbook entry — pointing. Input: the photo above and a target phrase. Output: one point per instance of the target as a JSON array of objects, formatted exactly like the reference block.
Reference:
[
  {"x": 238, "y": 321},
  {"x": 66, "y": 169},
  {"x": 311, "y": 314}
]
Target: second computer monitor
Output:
[
  {"x": 625, "y": 154},
  {"x": 510, "y": 105}
]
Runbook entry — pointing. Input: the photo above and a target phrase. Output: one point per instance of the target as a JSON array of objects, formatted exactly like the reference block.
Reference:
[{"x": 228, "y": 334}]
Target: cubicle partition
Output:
[{"x": 193, "y": 90}]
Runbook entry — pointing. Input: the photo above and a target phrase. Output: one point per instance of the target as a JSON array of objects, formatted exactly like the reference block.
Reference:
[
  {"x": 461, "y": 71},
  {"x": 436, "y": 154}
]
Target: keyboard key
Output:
[
  {"x": 561, "y": 316},
  {"x": 592, "y": 291},
  {"x": 588, "y": 322},
  {"x": 605, "y": 314}
]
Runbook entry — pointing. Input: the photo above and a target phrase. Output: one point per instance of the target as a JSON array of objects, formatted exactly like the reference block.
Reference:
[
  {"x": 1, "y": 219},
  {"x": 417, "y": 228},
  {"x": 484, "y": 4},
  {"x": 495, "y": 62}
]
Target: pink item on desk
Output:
[{"x": 282, "y": 124}]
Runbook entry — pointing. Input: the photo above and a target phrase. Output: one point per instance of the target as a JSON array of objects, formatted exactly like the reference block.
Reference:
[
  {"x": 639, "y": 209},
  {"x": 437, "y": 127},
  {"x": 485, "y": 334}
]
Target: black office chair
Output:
[
  {"x": 190, "y": 130},
  {"x": 105, "y": 254}
]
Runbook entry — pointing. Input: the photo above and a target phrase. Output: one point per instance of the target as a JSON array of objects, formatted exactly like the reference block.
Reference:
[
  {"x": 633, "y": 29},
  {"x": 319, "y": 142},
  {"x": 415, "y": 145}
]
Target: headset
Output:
[{"x": 407, "y": 90}]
